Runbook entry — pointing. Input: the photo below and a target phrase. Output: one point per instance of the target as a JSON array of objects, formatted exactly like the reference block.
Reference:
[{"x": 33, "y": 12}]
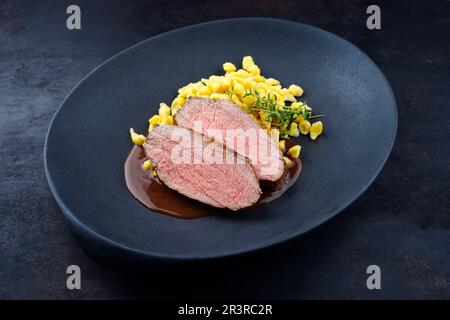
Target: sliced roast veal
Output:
[
  {"x": 189, "y": 163},
  {"x": 226, "y": 123}
]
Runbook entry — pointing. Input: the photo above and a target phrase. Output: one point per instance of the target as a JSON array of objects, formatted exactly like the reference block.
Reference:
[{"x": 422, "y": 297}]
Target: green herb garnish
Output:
[{"x": 279, "y": 116}]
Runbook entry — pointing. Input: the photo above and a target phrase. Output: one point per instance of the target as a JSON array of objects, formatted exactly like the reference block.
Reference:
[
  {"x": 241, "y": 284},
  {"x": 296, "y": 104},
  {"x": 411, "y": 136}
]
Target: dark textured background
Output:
[{"x": 402, "y": 223}]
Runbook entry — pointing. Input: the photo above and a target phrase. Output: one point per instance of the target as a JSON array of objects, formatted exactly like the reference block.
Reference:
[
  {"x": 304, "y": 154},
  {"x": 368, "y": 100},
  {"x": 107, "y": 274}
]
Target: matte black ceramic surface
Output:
[{"x": 88, "y": 139}]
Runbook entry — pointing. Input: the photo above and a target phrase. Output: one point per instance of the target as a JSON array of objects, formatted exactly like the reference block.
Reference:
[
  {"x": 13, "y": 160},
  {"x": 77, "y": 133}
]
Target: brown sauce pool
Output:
[{"x": 156, "y": 196}]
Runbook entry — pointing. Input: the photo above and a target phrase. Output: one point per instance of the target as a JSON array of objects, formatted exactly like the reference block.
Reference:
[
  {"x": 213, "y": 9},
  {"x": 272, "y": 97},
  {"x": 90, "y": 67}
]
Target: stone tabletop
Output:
[{"x": 401, "y": 224}]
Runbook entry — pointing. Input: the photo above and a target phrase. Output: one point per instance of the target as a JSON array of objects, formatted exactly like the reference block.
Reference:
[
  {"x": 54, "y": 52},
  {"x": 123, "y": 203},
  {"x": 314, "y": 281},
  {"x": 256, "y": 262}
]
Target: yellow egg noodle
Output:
[{"x": 273, "y": 107}]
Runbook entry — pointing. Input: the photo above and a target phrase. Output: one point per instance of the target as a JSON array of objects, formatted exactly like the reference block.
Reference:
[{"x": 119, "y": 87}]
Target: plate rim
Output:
[{"x": 67, "y": 213}]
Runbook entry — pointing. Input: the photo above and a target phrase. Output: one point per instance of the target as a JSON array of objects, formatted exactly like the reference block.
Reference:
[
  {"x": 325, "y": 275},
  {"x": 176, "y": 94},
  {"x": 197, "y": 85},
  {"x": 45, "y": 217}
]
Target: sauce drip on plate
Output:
[{"x": 156, "y": 196}]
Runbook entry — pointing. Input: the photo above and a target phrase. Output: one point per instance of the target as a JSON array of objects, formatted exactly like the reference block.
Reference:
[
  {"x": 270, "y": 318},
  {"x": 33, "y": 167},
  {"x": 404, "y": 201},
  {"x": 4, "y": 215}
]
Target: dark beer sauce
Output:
[{"x": 156, "y": 196}]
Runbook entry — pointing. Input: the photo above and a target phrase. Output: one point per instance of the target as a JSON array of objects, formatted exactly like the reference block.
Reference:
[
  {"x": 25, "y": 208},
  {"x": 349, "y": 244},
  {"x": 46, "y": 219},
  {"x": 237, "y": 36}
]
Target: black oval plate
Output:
[{"x": 88, "y": 141}]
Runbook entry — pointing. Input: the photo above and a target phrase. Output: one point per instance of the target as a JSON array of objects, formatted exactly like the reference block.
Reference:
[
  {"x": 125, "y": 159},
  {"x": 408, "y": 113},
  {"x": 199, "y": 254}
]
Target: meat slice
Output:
[
  {"x": 226, "y": 123},
  {"x": 202, "y": 169}
]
